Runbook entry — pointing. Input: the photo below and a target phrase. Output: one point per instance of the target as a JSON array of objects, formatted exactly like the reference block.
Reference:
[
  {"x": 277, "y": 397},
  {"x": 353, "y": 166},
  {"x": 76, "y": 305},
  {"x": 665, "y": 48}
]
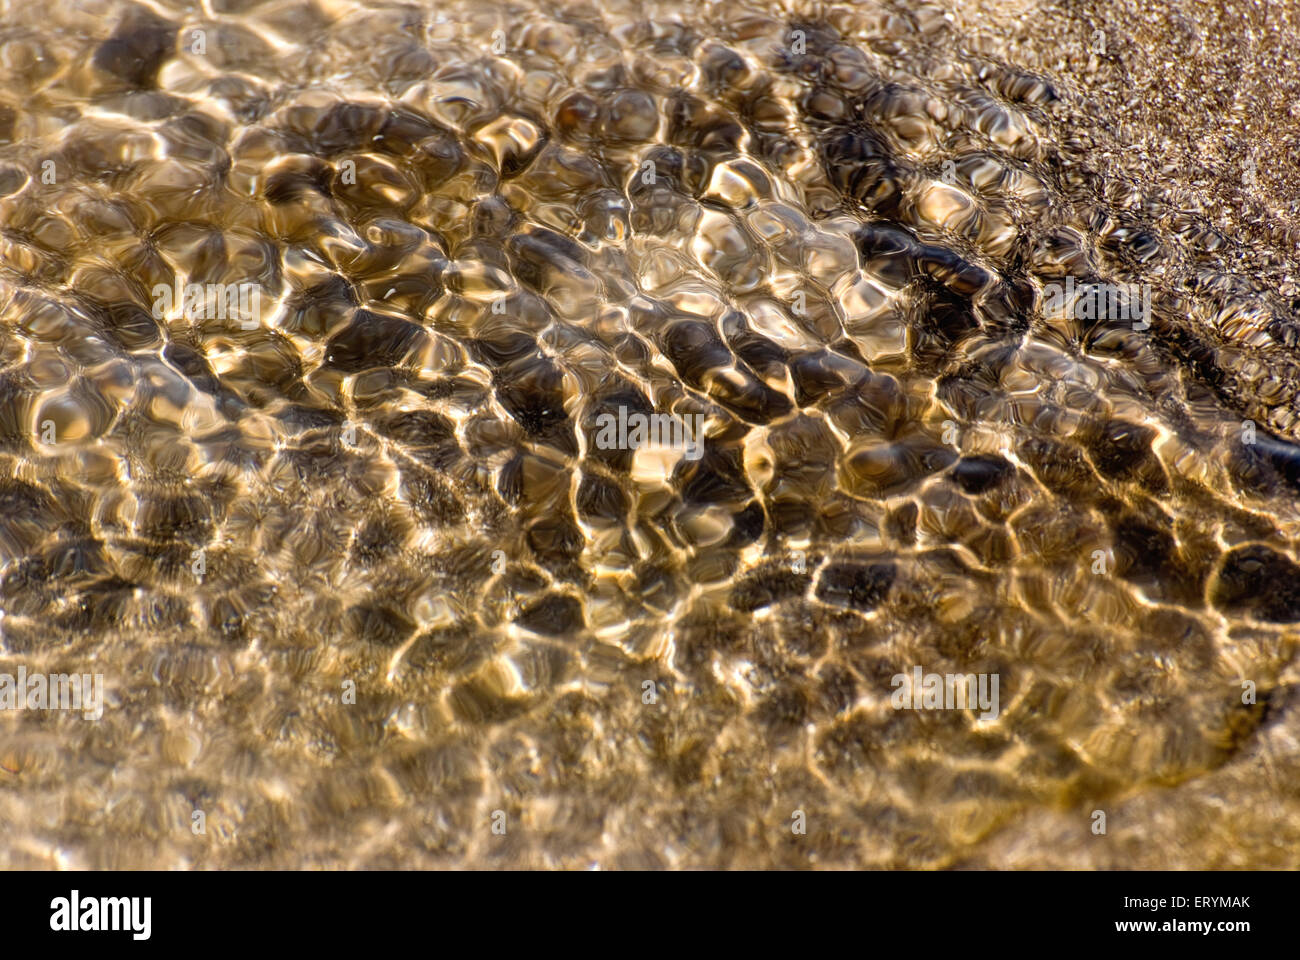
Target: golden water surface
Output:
[{"x": 363, "y": 585}]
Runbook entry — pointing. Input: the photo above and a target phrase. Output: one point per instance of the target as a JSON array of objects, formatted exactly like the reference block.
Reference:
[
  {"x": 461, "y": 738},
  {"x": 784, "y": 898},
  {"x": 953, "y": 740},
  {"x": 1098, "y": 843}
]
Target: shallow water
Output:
[{"x": 362, "y": 577}]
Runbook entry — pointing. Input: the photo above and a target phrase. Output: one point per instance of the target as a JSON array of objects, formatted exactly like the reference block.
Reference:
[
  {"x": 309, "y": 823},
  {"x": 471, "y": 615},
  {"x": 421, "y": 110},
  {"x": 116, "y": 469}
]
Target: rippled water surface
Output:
[{"x": 363, "y": 582}]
